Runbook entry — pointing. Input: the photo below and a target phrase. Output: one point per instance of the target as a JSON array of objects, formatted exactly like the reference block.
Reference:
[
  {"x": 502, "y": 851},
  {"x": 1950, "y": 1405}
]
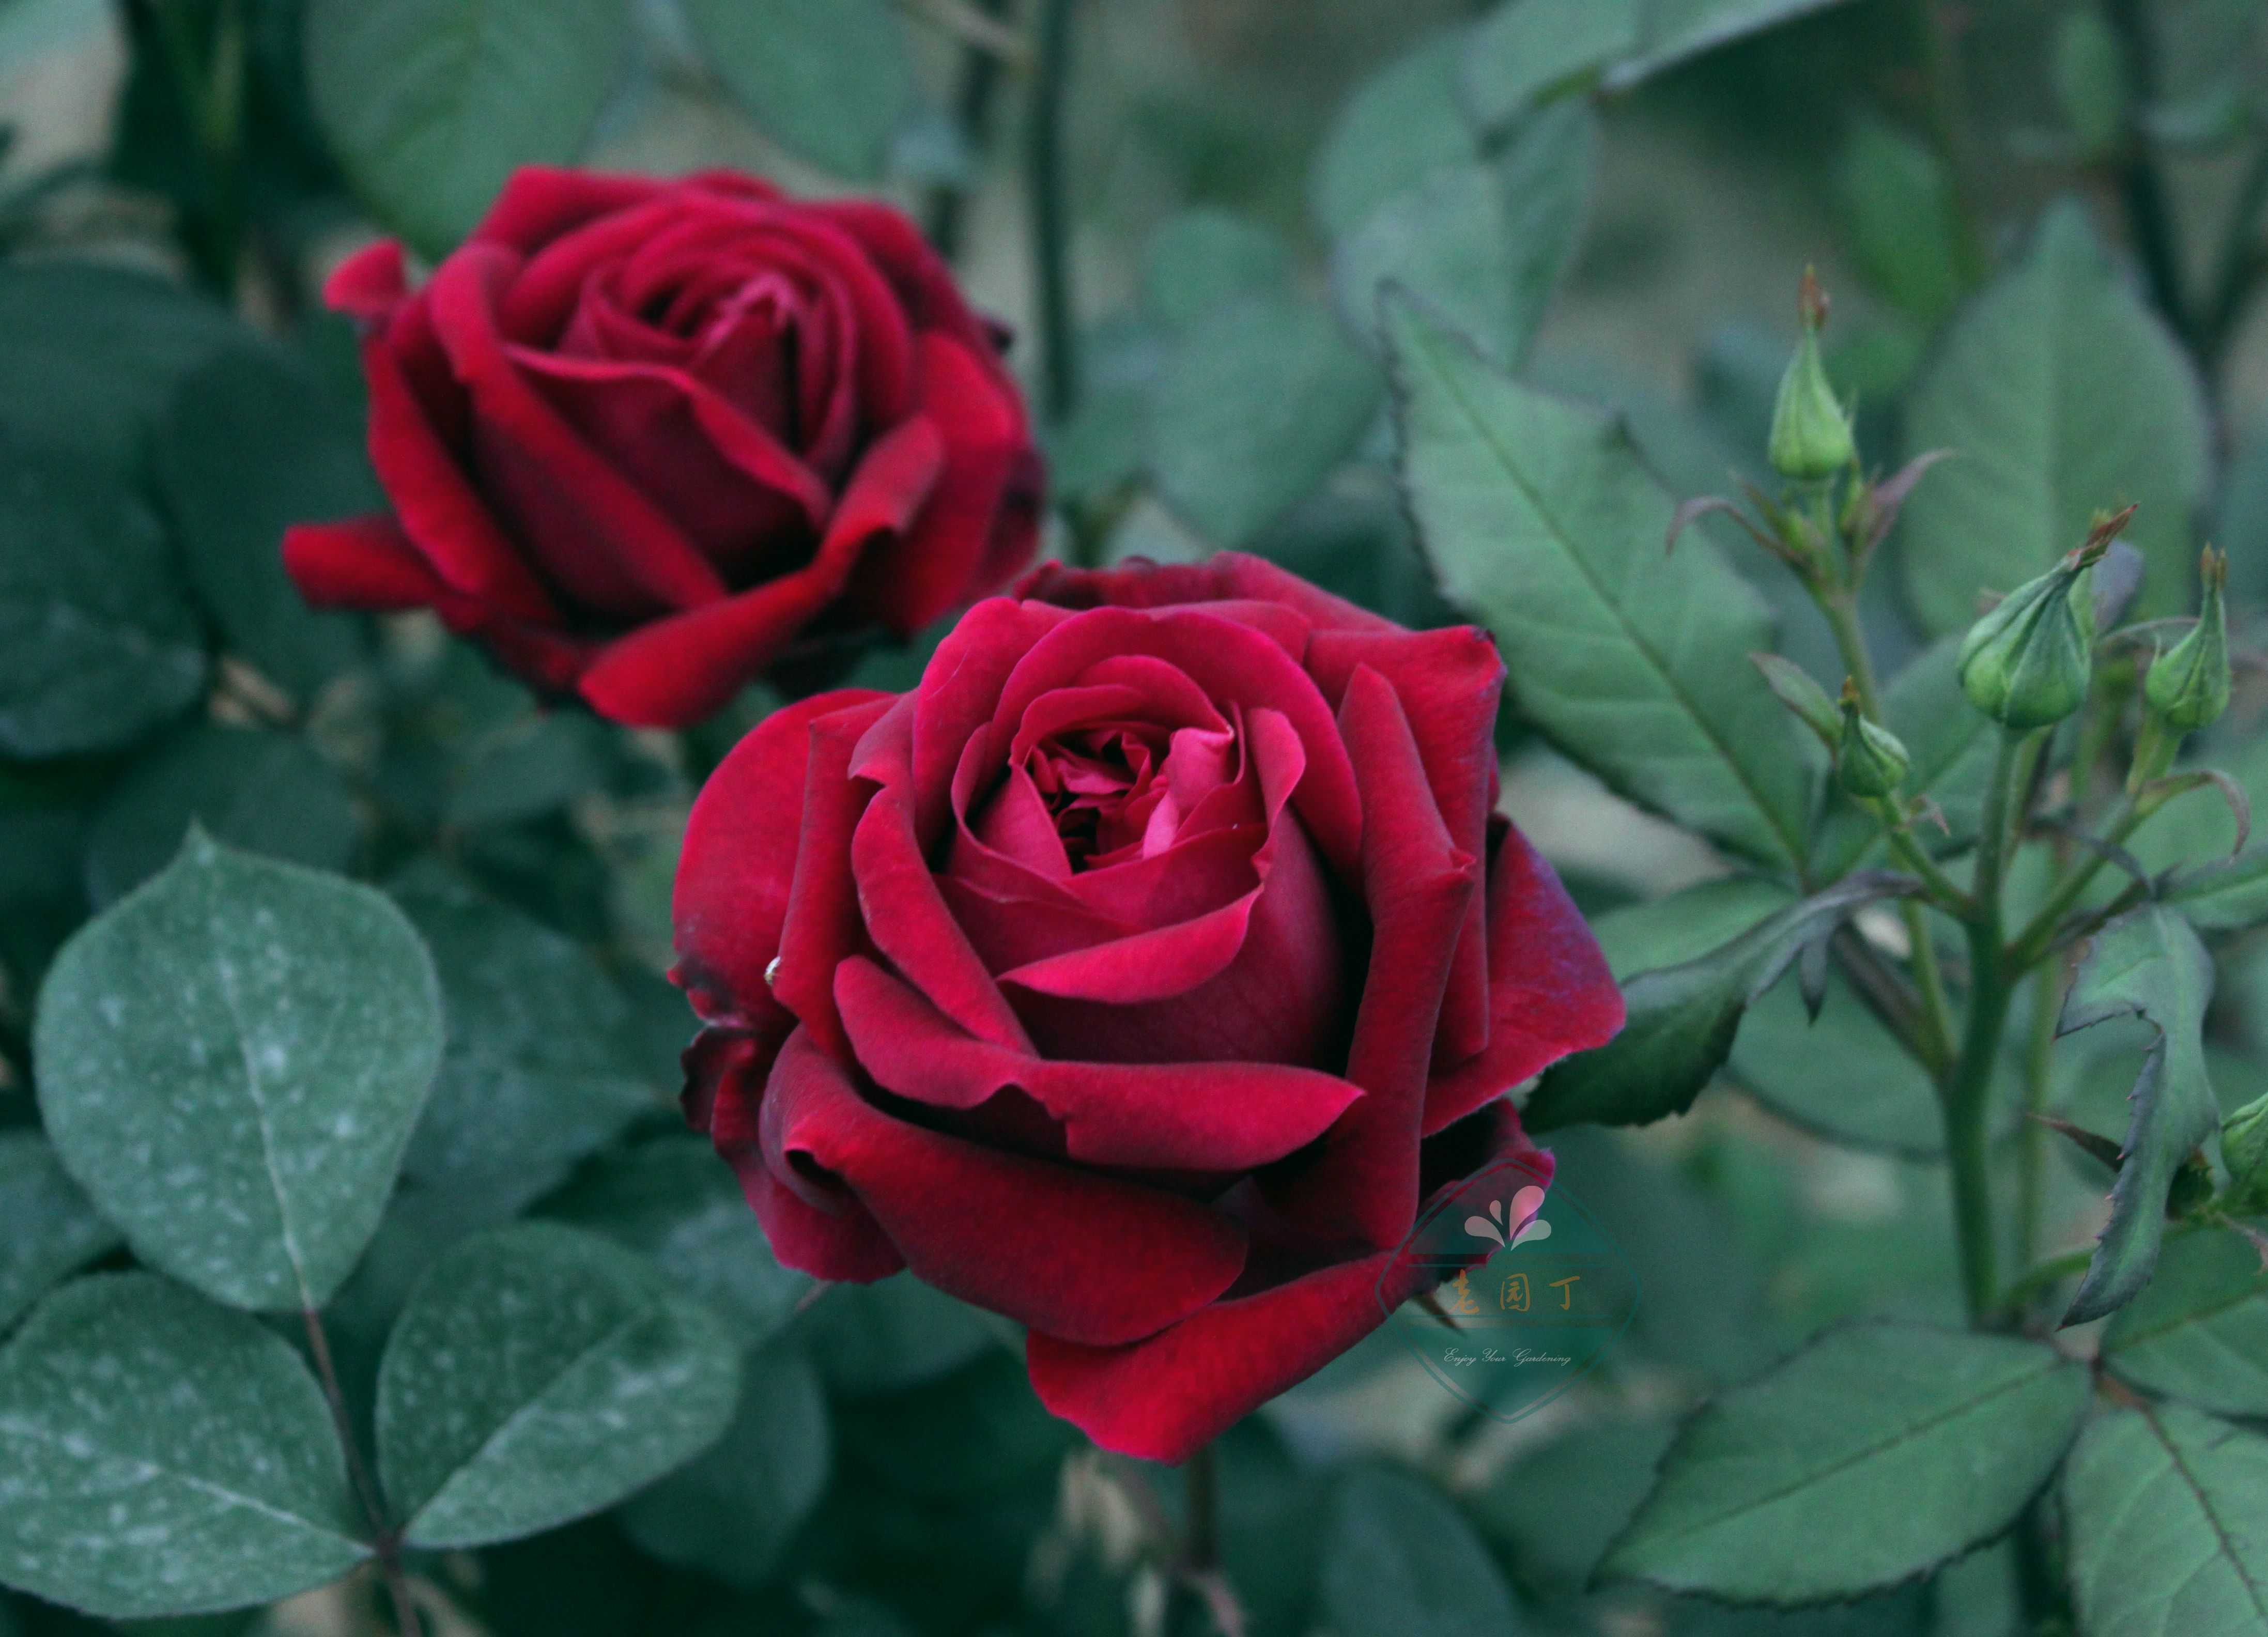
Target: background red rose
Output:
[
  {"x": 640, "y": 437},
  {"x": 1136, "y": 976}
]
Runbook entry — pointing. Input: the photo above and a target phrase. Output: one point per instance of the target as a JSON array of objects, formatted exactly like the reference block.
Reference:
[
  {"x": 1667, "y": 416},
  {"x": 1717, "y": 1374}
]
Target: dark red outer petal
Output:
[
  {"x": 1550, "y": 991},
  {"x": 364, "y": 563},
  {"x": 1165, "y": 1397},
  {"x": 738, "y": 863},
  {"x": 1083, "y": 1256},
  {"x": 1417, "y": 882}
]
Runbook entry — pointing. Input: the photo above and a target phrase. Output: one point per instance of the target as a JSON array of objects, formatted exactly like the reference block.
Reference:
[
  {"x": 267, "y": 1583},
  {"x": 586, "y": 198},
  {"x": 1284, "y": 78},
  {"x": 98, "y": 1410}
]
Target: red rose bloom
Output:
[
  {"x": 1138, "y": 976},
  {"x": 640, "y": 437}
]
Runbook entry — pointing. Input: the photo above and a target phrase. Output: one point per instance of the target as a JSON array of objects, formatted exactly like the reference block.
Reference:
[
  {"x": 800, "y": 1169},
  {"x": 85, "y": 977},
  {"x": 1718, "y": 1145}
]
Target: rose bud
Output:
[
  {"x": 1810, "y": 432},
  {"x": 644, "y": 440},
  {"x": 2029, "y": 662},
  {"x": 2244, "y": 1150},
  {"x": 1869, "y": 761},
  {"x": 2188, "y": 685},
  {"x": 1138, "y": 976}
]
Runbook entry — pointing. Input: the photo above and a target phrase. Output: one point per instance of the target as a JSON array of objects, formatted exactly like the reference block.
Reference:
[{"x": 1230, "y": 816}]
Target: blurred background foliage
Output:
[{"x": 1241, "y": 176}]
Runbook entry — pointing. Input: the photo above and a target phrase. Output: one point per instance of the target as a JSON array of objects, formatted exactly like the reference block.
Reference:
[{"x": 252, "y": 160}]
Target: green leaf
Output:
[
  {"x": 2168, "y": 1510},
  {"x": 2147, "y": 965},
  {"x": 162, "y": 1456},
  {"x": 891, "y": 1335},
  {"x": 1526, "y": 49},
  {"x": 677, "y": 1202},
  {"x": 1682, "y": 1019},
  {"x": 1897, "y": 205},
  {"x": 1482, "y": 244},
  {"x": 537, "y": 1374},
  {"x": 98, "y": 644},
  {"x": 530, "y": 766},
  {"x": 1399, "y": 126},
  {"x": 2062, "y": 394},
  {"x": 251, "y": 445},
  {"x": 2230, "y": 896},
  {"x": 1873, "y": 1095},
  {"x": 1258, "y": 404},
  {"x": 1679, "y": 29},
  {"x": 1399, "y": 1559},
  {"x": 1687, "y": 925},
  {"x": 833, "y": 82},
  {"x": 977, "y": 1433},
  {"x": 90, "y": 355},
  {"x": 1557, "y": 1509},
  {"x": 538, "y": 1071},
  {"x": 258, "y": 791},
  {"x": 229, "y": 1062},
  {"x": 1203, "y": 259},
  {"x": 1539, "y": 518},
  {"x": 2199, "y": 1330},
  {"x": 732, "y": 1512},
  {"x": 47, "y": 1228},
  {"x": 429, "y": 105},
  {"x": 1876, "y": 1454}
]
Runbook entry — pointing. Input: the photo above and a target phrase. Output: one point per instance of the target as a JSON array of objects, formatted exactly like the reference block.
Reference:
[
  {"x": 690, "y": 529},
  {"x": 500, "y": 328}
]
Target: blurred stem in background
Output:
[
  {"x": 210, "y": 77},
  {"x": 973, "y": 99},
  {"x": 1049, "y": 209}
]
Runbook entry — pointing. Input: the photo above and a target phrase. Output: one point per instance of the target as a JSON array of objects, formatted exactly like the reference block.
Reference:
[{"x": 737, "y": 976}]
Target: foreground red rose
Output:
[
  {"x": 1136, "y": 976},
  {"x": 640, "y": 437}
]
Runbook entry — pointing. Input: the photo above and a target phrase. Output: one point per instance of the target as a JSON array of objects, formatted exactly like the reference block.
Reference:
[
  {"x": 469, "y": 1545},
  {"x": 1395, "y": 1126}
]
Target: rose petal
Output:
[
  {"x": 1230, "y": 661},
  {"x": 739, "y": 860},
  {"x": 668, "y": 673},
  {"x": 369, "y": 283},
  {"x": 539, "y": 203},
  {"x": 1200, "y": 1117},
  {"x": 1042, "y": 1243},
  {"x": 1550, "y": 991},
  {"x": 822, "y": 925},
  {"x": 907, "y": 918},
  {"x": 432, "y": 496},
  {"x": 1165, "y": 1397},
  {"x": 363, "y": 563},
  {"x": 608, "y": 546},
  {"x": 936, "y": 565},
  {"x": 1417, "y": 882},
  {"x": 1450, "y": 683},
  {"x": 1225, "y": 576}
]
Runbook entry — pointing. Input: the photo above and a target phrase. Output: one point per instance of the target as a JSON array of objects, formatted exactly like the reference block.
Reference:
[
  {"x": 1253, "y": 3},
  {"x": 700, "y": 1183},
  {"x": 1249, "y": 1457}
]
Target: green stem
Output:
[
  {"x": 2240, "y": 266},
  {"x": 2039, "y": 1063},
  {"x": 384, "y": 1539},
  {"x": 1841, "y": 609},
  {"x": 1967, "y": 1093},
  {"x": 211, "y": 84},
  {"x": 2148, "y": 210},
  {"x": 972, "y": 111},
  {"x": 1050, "y": 211}
]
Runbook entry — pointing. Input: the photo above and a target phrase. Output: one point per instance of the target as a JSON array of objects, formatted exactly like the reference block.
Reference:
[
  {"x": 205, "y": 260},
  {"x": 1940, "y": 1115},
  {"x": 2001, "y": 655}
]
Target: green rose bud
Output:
[
  {"x": 1810, "y": 432},
  {"x": 2244, "y": 1150},
  {"x": 2028, "y": 663},
  {"x": 1869, "y": 761},
  {"x": 2187, "y": 686}
]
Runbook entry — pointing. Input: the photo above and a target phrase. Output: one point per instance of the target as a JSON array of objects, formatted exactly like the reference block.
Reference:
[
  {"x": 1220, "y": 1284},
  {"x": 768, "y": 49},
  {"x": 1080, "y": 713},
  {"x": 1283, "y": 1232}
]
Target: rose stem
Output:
[
  {"x": 1051, "y": 212},
  {"x": 972, "y": 108},
  {"x": 385, "y": 1541}
]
